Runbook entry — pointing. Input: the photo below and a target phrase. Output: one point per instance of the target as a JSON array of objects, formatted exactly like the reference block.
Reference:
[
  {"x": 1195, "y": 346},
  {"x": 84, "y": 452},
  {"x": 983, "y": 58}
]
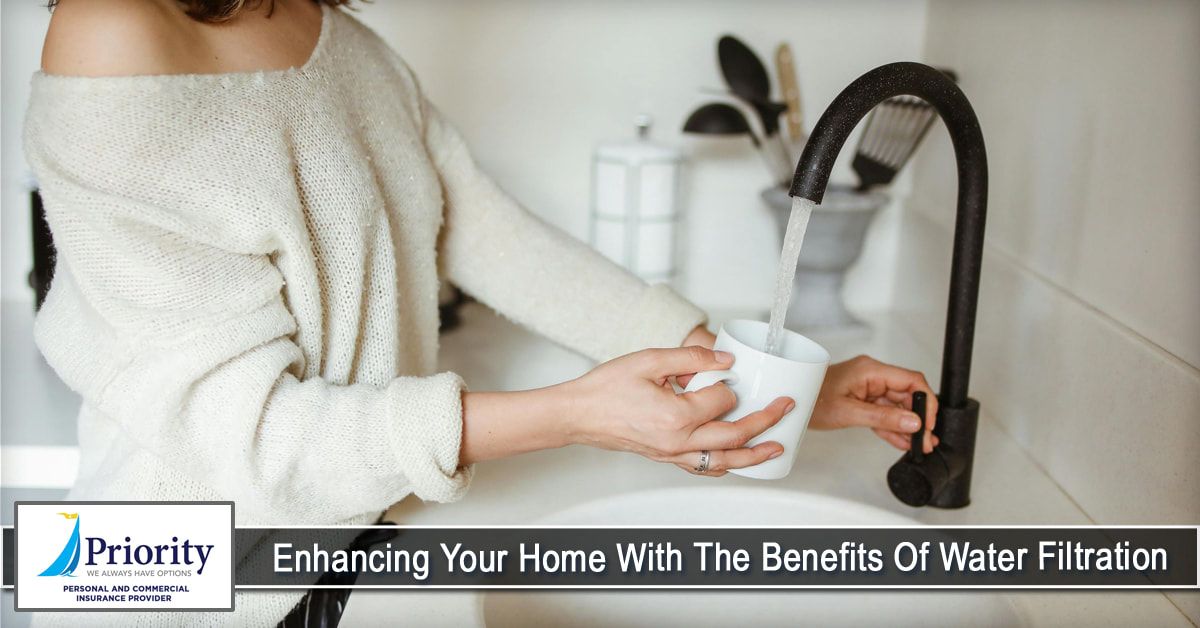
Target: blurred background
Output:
[{"x": 1087, "y": 351}]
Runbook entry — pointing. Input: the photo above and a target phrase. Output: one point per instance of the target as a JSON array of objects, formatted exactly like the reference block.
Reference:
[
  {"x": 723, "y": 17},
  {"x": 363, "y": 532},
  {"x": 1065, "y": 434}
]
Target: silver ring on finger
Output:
[{"x": 705, "y": 457}]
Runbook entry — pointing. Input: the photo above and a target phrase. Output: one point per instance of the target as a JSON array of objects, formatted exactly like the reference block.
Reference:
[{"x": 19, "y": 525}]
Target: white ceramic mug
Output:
[{"x": 759, "y": 378}]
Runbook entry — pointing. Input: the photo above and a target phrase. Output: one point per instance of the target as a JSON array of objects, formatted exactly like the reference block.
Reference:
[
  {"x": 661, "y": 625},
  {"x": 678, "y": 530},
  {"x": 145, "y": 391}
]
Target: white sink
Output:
[{"x": 739, "y": 506}]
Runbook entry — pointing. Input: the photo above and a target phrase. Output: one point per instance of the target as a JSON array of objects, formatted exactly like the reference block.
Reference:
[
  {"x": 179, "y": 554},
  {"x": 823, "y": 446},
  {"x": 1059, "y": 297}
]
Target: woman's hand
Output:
[
  {"x": 866, "y": 392},
  {"x": 628, "y": 404}
]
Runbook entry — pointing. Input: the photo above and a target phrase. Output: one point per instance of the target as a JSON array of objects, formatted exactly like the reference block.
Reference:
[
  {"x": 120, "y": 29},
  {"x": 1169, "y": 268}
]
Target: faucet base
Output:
[
  {"x": 941, "y": 479},
  {"x": 956, "y": 430}
]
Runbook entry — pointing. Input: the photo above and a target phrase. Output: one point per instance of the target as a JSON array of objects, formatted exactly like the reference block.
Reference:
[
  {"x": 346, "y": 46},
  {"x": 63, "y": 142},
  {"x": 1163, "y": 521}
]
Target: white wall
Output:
[
  {"x": 1088, "y": 338},
  {"x": 535, "y": 84}
]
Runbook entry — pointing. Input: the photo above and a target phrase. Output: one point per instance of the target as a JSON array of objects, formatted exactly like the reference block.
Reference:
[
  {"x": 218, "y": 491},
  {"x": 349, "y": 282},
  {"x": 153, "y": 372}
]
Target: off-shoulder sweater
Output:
[{"x": 245, "y": 293}]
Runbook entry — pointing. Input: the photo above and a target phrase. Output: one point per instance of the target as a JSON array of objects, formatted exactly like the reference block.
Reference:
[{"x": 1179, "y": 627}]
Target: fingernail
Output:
[
  {"x": 789, "y": 406},
  {"x": 778, "y": 453},
  {"x": 724, "y": 357},
  {"x": 910, "y": 423}
]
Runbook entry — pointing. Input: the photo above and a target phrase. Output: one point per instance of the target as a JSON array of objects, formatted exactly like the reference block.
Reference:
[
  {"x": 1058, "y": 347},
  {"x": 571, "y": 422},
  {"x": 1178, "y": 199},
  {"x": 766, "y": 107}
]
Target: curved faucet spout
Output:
[
  {"x": 931, "y": 85},
  {"x": 946, "y": 474}
]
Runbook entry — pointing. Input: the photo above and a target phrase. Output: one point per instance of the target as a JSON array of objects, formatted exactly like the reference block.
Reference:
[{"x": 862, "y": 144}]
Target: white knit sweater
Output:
[{"x": 246, "y": 287}]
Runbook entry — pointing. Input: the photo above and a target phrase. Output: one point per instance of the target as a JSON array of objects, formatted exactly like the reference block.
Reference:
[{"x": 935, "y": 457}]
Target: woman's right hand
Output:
[{"x": 628, "y": 404}]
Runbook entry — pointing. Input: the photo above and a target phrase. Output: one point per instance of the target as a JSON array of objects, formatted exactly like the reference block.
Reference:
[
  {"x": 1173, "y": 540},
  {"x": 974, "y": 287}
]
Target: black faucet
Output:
[{"x": 943, "y": 478}]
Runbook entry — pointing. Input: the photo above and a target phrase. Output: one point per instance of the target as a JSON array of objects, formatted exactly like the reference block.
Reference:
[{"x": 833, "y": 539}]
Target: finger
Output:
[
  {"x": 709, "y": 402},
  {"x": 897, "y": 383},
  {"x": 683, "y": 380},
  {"x": 725, "y": 460},
  {"x": 720, "y": 461},
  {"x": 911, "y": 381},
  {"x": 903, "y": 442},
  {"x": 882, "y": 378},
  {"x": 660, "y": 364},
  {"x": 852, "y": 412},
  {"x": 904, "y": 400},
  {"x": 734, "y": 434},
  {"x": 931, "y": 410},
  {"x": 931, "y": 414}
]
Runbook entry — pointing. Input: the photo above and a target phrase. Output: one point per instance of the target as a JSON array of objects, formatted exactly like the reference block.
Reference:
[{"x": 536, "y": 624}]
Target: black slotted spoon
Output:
[{"x": 893, "y": 131}]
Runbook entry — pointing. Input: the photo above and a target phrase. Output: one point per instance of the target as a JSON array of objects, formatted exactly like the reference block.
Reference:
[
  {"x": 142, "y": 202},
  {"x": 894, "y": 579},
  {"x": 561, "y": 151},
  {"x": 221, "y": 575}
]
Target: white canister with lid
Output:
[{"x": 635, "y": 217}]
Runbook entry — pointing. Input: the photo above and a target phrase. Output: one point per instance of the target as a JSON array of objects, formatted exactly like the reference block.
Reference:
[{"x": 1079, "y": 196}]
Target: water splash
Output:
[{"x": 793, "y": 238}]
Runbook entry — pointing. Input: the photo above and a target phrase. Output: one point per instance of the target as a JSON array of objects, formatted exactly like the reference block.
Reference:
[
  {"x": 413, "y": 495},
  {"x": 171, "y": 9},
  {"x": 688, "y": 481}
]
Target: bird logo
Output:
[{"x": 68, "y": 558}]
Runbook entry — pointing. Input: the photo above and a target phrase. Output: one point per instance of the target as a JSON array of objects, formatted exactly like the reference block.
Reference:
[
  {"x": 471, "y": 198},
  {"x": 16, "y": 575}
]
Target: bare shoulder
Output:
[{"x": 117, "y": 38}]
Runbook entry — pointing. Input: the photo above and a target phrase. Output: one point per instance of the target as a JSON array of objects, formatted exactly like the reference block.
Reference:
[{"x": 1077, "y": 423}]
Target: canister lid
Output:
[{"x": 639, "y": 150}]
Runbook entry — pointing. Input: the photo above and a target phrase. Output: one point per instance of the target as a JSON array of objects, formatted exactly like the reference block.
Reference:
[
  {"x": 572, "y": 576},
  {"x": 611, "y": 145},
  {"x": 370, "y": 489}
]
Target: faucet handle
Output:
[
  {"x": 918, "y": 437},
  {"x": 917, "y": 478}
]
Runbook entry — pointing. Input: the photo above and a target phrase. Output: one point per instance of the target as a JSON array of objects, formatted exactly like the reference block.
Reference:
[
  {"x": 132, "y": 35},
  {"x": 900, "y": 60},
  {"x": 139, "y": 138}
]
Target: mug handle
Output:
[{"x": 708, "y": 378}]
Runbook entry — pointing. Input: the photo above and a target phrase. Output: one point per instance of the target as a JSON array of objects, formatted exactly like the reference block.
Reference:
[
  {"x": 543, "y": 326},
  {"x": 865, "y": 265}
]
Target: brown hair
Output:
[{"x": 223, "y": 10}]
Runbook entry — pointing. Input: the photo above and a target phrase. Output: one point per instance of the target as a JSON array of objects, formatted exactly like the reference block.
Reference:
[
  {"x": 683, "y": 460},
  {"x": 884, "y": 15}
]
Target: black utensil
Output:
[
  {"x": 747, "y": 77},
  {"x": 720, "y": 119},
  {"x": 769, "y": 113},
  {"x": 725, "y": 119},
  {"x": 893, "y": 131}
]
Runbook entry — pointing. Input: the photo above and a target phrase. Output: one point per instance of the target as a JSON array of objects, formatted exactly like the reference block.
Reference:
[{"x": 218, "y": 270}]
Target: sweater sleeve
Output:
[
  {"x": 539, "y": 276},
  {"x": 177, "y": 328}
]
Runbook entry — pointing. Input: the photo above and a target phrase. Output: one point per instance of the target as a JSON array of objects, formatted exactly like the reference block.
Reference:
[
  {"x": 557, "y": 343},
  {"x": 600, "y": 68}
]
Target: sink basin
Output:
[{"x": 739, "y": 506}]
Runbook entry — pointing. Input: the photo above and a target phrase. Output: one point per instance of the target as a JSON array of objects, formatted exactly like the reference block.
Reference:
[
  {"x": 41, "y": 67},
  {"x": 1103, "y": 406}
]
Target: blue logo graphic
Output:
[{"x": 68, "y": 558}]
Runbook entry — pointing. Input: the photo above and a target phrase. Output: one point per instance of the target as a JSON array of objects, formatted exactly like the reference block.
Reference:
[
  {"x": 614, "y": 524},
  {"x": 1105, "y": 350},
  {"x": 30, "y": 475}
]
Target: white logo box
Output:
[{"x": 123, "y": 556}]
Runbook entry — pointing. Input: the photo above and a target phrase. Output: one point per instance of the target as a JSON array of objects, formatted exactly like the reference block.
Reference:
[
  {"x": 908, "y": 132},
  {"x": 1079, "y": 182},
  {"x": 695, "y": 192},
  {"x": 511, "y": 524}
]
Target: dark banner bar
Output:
[{"x": 680, "y": 557}]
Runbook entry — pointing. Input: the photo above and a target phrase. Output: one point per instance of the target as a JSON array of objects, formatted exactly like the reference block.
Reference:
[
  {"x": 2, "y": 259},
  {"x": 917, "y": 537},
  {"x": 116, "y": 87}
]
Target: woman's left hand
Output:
[{"x": 866, "y": 392}]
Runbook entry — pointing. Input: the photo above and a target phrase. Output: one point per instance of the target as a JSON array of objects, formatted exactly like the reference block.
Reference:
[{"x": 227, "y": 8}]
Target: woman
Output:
[{"x": 253, "y": 205}]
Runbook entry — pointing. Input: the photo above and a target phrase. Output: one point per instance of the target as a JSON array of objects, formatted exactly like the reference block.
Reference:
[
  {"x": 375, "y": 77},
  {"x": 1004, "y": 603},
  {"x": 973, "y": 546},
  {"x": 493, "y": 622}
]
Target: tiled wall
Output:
[{"x": 1088, "y": 340}]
